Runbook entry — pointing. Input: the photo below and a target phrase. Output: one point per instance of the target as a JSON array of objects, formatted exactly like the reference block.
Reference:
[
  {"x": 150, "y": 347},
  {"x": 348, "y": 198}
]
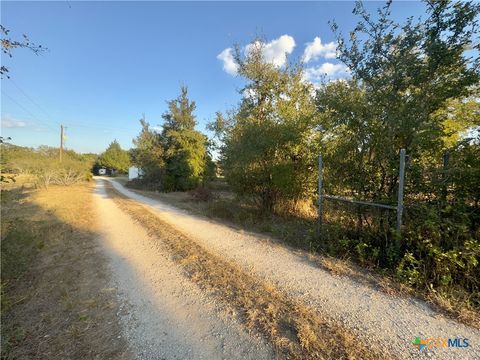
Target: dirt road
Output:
[
  {"x": 164, "y": 315},
  {"x": 393, "y": 322}
]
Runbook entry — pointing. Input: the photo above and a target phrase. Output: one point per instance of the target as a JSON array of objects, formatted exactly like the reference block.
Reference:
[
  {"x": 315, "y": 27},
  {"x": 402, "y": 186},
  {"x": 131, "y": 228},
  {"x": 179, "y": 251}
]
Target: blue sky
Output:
[{"x": 109, "y": 62}]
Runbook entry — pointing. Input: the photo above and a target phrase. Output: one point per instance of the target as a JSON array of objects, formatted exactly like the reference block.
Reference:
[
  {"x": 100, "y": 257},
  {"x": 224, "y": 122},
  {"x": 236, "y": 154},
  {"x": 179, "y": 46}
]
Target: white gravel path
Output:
[
  {"x": 391, "y": 321},
  {"x": 164, "y": 315}
]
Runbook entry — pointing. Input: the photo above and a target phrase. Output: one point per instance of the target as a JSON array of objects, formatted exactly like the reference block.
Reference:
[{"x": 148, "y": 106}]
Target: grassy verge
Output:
[
  {"x": 295, "y": 330},
  {"x": 299, "y": 233},
  {"x": 56, "y": 300},
  {"x": 223, "y": 205}
]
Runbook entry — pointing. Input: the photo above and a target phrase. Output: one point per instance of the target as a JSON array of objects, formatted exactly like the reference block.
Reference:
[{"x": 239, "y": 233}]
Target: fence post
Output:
[
  {"x": 401, "y": 180},
  {"x": 320, "y": 196}
]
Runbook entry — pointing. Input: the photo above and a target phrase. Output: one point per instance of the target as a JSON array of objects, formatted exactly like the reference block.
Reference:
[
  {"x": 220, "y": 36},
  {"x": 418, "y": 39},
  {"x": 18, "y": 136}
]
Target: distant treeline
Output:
[{"x": 44, "y": 166}]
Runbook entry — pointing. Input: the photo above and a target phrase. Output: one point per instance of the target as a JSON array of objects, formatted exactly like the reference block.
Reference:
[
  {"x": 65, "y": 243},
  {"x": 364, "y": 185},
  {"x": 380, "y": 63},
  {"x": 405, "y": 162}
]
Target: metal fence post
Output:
[
  {"x": 401, "y": 180},
  {"x": 320, "y": 196}
]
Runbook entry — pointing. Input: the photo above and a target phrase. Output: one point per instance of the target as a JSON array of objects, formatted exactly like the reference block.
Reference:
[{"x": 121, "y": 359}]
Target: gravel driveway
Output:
[
  {"x": 164, "y": 315},
  {"x": 394, "y": 322}
]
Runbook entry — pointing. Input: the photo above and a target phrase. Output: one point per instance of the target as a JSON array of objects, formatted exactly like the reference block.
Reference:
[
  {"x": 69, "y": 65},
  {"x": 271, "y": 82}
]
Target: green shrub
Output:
[{"x": 177, "y": 159}]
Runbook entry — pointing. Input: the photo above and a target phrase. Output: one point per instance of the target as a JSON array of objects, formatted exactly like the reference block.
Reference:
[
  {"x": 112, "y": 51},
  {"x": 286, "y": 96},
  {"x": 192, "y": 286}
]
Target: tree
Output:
[
  {"x": 458, "y": 117},
  {"x": 178, "y": 158},
  {"x": 187, "y": 160},
  {"x": 413, "y": 86},
  {"x": 404, "y": 74},
  {"x": 270, "y": 142},
  {"x": 148, "y": 155},
  {"x": 115, "y": 158}
]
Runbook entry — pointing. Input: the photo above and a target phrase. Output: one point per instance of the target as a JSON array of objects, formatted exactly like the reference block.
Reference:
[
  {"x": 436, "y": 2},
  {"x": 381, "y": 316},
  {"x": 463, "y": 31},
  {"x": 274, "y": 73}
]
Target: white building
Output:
[{"x": 134, "y": 173}]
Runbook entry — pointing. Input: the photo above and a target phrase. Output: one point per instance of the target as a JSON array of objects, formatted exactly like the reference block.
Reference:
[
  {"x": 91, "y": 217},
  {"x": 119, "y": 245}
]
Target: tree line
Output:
[{"x": 43, "y": 166}]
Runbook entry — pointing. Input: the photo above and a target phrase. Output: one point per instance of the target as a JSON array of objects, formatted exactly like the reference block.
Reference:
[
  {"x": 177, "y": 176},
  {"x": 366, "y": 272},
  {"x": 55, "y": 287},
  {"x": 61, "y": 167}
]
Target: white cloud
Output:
[
  {"x": 274, "y": 52},
  {"x": 326, "y": 71},
  {"x": 249, "y": 93},
  {"x": 316, "y": 49},
  {"x": 12, "y": 123},
  {"x": 157, "y": 128},
  {"x": 229, "y": 64}
]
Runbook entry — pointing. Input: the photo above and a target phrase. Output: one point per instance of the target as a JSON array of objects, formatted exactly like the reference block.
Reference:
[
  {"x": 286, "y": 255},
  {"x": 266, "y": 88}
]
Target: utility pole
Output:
[{"x": 61, "y": 142}]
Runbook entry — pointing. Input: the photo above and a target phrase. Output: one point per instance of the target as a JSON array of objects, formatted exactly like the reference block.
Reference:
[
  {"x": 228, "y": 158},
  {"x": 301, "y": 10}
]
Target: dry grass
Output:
[
  {"x": 303, "y": 209},
  {"x": 450, "y": 305},
  {"x": 342, "y": 267},
  {"x": 223, "y": 205},
  {"x": 56, "y": 300},
  {"x": 14, "y": 181},
  {"x": 295, "y": 330},
  {"x": 297, "y": 231}
]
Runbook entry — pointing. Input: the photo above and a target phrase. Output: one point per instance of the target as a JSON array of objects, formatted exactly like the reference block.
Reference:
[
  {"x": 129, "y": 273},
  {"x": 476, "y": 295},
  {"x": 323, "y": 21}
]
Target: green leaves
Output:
[
  {"x": 148, "y": 155},
  {"x": 115, "y": 158},
  {"x": 180, "y": 112},
  {"x": 176, "y": 159},
  {"x": 269, "y": 142},
  {"x": 413, "y": 86},
  {"x": 409, "y": 89}
]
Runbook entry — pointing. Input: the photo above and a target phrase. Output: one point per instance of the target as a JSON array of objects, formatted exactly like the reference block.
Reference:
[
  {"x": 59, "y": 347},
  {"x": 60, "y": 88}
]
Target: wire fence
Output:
[
  {"x": 398, "y": 208},
  {"x": 438, "y": 197}
]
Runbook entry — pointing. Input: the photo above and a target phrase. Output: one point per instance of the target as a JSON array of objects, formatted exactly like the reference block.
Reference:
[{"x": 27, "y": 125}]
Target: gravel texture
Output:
[
  {"x": 164, "y": 315},
  {"x": 391, "y": 321}
]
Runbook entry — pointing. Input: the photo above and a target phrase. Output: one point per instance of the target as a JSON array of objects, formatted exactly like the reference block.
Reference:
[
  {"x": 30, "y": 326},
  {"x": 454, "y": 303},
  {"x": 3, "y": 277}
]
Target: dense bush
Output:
[
  {"x": 270, "y": 143},
  {"x": 414, "y": 89},
  {"x": 441, "y": 253}
]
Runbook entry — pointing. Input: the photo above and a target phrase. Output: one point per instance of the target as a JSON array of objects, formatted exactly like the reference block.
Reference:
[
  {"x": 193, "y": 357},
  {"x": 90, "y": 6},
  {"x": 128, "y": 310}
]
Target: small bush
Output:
[
  {"x": 202, "y": 194},
  {"x": 144, "y": 184}
]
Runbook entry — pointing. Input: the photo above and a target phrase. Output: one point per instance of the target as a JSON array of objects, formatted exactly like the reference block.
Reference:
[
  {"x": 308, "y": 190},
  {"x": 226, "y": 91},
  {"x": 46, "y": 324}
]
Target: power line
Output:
[
  {"x": 73, "y": 123},
  {"x": 61, "y": 142},
  {"x": 51, "y": 117},
  {"x": 28, "y": 111},
  {"x": 99, "y": 127},
  {"x": 62, "y": 128},
  {"x": 31, "y": 100}
]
